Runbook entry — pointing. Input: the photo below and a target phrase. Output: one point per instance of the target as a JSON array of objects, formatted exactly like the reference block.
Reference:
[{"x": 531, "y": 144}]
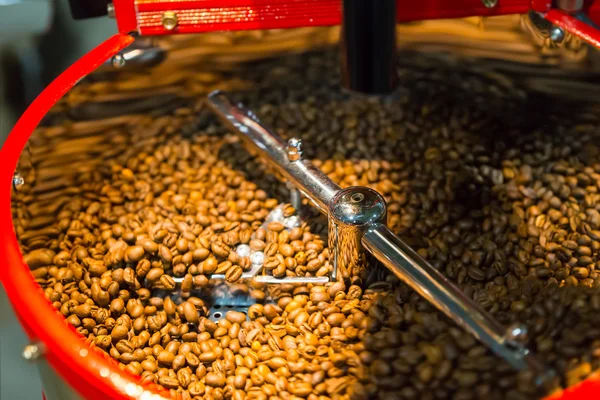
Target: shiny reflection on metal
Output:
[
  {"x": 294, "y": 149},
  {"x": 17, "y": 181},
  {"x": 110, "y": 10},
  {"x": 295, "y": 197},
  {"x": 557, "y": 34},
  {"x": 142, "y": 53},
  {"x": 118, "y": 61},
  {"x": 169, "y": 20},
  {"x": 351, "y": 212},
  {"x": 346, "y": 206},
  {"x": 33, "y": 351},
  {"x": 313, "y": 183},
  {"x": 411, "y": 268},
  {"x": 489, "y": 3}
]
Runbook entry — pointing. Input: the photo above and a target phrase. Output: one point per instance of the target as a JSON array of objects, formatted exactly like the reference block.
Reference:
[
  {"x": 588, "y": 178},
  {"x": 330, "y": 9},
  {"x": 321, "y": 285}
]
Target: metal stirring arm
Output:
[{"x": 357, "y": 218}]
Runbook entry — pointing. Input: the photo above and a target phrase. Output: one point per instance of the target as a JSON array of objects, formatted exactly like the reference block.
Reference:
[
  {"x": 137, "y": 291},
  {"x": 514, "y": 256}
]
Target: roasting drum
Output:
[{"x": 86, "y": 118}]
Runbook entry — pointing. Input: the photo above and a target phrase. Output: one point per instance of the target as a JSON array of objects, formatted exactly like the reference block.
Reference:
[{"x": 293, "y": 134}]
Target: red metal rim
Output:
[{"x": 88, "y": 372}]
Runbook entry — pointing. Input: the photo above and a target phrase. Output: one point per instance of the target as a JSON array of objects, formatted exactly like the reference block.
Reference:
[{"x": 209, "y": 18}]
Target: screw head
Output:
[
  {"x": 557, "y": 34},
  {"x": 110, "y": 9},
  {"x": 169, "y": 20},
  {"x": 118, "y": 61},
  {"x": 294, "y": 149},
  {"x": 18, "y": 180},
  {"x": 32, "y": 352},
  {"x": 489, "y": 3}
]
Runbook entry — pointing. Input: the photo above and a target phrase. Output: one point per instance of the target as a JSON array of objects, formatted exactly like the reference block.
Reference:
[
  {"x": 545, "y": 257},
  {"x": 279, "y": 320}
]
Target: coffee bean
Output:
[
  {"x": 233, "y": 274},
  {"x": 215, "y": 379},
  {"x": 119, "y": 332},
  {"x": 165, "y": 254},
  {"x": 165, "y": 357},
  {"x": 220, "y": 249},
  {"x": 167, "y": 282},
  {"x": 508, "y": 213},
  {"x": 134, "y": 254},
  {"x": 39, "y": 258}
]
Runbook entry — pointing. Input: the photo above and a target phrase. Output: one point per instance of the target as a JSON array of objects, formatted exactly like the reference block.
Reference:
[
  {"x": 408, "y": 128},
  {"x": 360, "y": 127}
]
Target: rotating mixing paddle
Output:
[{"x": 357, "y": 230}]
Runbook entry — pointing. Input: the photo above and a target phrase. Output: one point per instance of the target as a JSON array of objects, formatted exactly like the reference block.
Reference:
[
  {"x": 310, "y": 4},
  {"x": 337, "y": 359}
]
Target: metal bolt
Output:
[
  {"x": 110, "y": 9},
  {"x": 517, "y": 333},
  {"x": 294, "y": 149},
  {"x": 118, "y": 61},
  {"x": 489, "y": 3},
  {"x": 17, "y": 181},
  {"x": 169, "y": 20},
  {"x": 557, "y": 34},
  {"x": 295, "y": 197},
  {"x": 32, "y": 352}
]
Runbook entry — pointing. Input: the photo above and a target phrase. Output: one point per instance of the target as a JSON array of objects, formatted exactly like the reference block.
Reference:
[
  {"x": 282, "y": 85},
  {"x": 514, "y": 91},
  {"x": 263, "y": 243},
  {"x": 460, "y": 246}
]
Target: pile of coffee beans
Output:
[{"x": 510, "y": 213}]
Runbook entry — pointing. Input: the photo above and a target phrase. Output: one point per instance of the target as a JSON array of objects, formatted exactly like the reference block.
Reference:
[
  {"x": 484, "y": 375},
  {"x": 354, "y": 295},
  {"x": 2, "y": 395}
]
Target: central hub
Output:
[
  {"x": 358, "y": 206},
  {"x": 352, "y": 211}
]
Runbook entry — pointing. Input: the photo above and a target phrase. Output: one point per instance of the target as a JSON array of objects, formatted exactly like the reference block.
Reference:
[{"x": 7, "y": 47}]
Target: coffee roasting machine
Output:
[{"x": 357, "y": 231}]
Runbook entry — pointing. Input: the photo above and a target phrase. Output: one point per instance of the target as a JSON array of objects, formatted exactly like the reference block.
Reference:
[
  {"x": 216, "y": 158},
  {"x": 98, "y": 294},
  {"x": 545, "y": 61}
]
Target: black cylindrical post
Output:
[{"x": 368, "y": 45}]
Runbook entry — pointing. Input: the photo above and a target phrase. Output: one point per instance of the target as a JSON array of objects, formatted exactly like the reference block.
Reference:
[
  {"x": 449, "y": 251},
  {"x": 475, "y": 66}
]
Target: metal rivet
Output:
[
  {"x": 17, "y": 181},
  {"x": 489, "y": 3},
  {"x": 294, "y": 149},
  {"x": 169, "y": 20},
  {"x": 557, "y": 34},
  {"x": 118, "y": 61},
  {"x": 110, "y": 9},
  {"x": 32, "y": 352}
]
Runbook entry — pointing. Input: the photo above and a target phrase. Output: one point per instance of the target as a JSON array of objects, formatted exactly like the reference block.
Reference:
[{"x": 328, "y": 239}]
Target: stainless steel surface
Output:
[
  {"x": 352, "y": 211},
  {"x": 295, "y": 198},
  {"x": 143, "y": 53},
  {"x": 294, "y": 149},
  {"x": 489, "y": 3},
  {"x": 17, "y": 180},
  {"x": 557, "y": 34},
  {"x": 347, "y": 212},
  {"x": 411, "y": 268},
  {"x": 315, "y": 185}
]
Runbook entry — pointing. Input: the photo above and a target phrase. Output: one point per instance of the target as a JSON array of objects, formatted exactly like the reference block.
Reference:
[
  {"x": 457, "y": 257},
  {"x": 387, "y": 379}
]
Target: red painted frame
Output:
[
  {"x": 194, "y": 16},
  {"x": 144, "y": 16},
  {"x": 574, "y": 26},
  {"x": 90, "y": 374}
]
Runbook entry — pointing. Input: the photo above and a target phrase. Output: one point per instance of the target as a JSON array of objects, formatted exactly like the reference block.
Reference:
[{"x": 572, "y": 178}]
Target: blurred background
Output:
[{"x": 38, "y": 40}]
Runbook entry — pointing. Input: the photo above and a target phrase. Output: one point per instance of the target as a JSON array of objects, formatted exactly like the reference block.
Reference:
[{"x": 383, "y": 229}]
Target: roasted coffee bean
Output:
[
  {"x": 508, "y": 213},
  {"x": 233, "y": 274}
]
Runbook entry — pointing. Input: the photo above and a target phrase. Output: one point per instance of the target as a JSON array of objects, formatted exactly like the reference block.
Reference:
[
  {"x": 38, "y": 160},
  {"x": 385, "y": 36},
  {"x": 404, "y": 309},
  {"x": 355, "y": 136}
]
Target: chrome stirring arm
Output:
[{"x": 357, "y": 222}]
